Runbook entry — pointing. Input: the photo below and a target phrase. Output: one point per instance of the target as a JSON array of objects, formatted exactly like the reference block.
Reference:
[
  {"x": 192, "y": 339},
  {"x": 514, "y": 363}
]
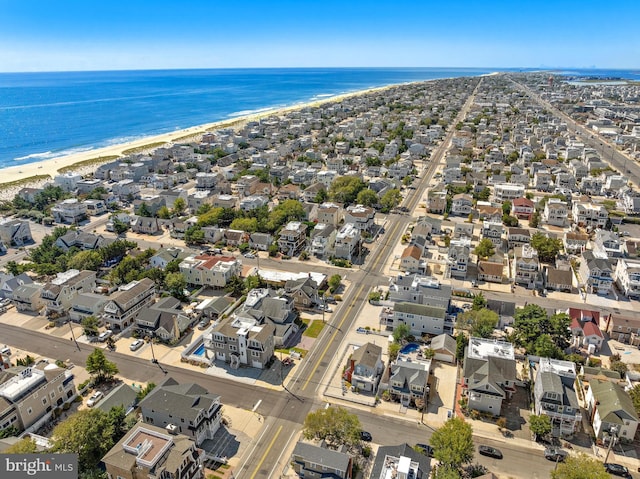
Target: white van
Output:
[{"x": 5, "y": 351}]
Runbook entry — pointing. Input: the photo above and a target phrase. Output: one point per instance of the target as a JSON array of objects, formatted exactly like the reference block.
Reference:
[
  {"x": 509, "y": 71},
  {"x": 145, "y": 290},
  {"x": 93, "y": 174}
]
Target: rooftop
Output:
[{"x": 480, "y": 348}]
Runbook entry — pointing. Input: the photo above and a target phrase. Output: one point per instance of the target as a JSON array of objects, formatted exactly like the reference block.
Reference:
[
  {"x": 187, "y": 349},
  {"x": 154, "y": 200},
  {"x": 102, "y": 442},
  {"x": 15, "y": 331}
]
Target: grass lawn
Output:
[{"x": 314, "y": 329}]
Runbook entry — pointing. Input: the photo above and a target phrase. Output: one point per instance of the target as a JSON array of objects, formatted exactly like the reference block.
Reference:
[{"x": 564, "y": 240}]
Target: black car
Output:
[
  {"x": 490, "y": 451},
  {"x": 426, "y": 449},
  {"x": 366, "y": 436},
  {"x": 555, "y": 454},
  {"x": 617, "y": 469}
]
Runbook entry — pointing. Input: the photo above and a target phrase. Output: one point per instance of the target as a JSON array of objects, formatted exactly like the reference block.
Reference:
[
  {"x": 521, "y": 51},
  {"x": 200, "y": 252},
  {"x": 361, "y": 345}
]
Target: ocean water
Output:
[{"x": 48, "y": 115}]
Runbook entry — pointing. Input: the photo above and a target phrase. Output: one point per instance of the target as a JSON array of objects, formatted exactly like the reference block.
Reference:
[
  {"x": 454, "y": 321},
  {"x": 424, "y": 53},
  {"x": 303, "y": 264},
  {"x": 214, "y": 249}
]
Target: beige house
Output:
[
  {"x": 214, "y": 271},
  {"x": 330, "y": 214},
  {"x": 58, "y": 295},
  {"x": 126, "y": 303}
]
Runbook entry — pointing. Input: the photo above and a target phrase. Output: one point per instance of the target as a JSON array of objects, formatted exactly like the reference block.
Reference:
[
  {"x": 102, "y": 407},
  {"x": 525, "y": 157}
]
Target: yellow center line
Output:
[
  {"x": 266, "y": 453},
  {"x": 333, "y": 336}
]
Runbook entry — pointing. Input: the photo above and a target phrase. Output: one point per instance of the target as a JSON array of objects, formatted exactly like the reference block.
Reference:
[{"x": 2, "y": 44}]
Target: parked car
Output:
[
  {"x": 105, "y": 335},
  {"x": 426, "y": 449},
  {"x": 203, "y": 324},
  {"x": 366, "y": 436},
  {"x": 490, "y": 451},
  {"x": 617, "y": 469},
  {"x": 95, "y": 397},
  {"x": 555, "y": 454},
  {"x": 249, "y": 255},
  {"x": 137, "y": 344}
]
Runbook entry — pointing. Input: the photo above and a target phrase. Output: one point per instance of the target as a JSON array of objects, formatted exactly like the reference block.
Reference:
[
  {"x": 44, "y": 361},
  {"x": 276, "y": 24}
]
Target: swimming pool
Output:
[
  {"x": 199, "y": 351},
  {"x": 409, "y": 348}
]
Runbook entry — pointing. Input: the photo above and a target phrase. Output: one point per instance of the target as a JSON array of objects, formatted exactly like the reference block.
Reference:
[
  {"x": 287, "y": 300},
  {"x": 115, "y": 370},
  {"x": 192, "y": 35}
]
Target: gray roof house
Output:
[
  {"x": 319, "y": 462},
  {"x": 407, "y": 381},
  {"x": 445, "y": 347},
  {"x": 123, "y": 395},
  {"x": 187, "y": 409},
  {"x": 364, "y": 367},
  {"x": 401, "y": 462}
]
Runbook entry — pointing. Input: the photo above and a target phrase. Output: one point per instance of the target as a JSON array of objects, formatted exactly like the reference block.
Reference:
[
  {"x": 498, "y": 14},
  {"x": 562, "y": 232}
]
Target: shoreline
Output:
[{"x": 23, "y": 174}]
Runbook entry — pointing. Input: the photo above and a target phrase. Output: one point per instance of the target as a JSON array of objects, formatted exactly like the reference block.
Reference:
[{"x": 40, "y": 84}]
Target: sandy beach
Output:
[{"x": 52, "y": 166}]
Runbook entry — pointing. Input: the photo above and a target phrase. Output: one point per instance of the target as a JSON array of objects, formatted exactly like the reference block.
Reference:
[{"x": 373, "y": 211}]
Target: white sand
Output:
[{"x": 51, "y": 167}]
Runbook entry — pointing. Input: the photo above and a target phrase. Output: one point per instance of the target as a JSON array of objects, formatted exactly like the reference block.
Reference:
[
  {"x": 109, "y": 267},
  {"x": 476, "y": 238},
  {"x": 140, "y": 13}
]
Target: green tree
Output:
[
  {"x": 194, "y": 235},
  {"x": 145, "y": 391},
  {"x": 90, "y": 325},
  {"x": 509, "y": 220},
  {"x": 88, "y": 433},
  {"x": 334, "y": 282},
  {"x": 635, "y": 397},
  {"x": 367, "y": 197},
  {"x": 254, "y": 281},
  {"x": 479, "y": 302},
  {"x": 250, "y": 225},
  {"x": 484, "y": 194},
  {"x": 119, "y": 226},
  {"x": 345, "y": 189},
  {"x": 99, "y": 367},
  {"x": 321, "y": 196},
  {"x": 580, "y": 467},
  {"x": 540, "y": 425},
  {"x": 288, "y": 210},
  {"x": 13, "y": 268},
  {"x": 175, "y": 284},
  {"x": 535, "y": 220},
  {"x": 547, "y": 248},
  {"x": 544, "y": 347},
  {"x": 143, "y": 210},
  {"x": 89, "y": 259},
  {"x": 164, "y": 213},
  {"x": 335, "y": 425},
  {"x": 394, "y": 350},
  {"x": 506, "y": 207},
  {"x": 400, "y": 332},
  {"x": 531, "y": 322},
  {"x": 210, "y": 217},
  {"x": 390, "y": 199},
  {"x": 485, "y": 248},
  {"x": 461, "y": 343},
  {"x": 235, "y": 286},
  {"x": 479, "y": 323},
  {"x": 179, "y": 206},
  {"x": 447, "y": 472},
  {"x": 453, "y": 443},
  {"x": 23, "y": 446}
]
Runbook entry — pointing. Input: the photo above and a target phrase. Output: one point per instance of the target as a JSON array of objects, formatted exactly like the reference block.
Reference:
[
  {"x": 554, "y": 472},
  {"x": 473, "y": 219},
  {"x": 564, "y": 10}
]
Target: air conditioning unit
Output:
[{"x": 172, "y": 429}]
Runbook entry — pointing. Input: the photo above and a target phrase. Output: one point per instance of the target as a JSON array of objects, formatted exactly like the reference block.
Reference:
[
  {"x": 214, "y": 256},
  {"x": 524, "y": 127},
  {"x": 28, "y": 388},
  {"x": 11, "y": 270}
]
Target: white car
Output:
[
  {"x": 104, "y": 336},
  {"x": 95, "y": 397},
  {"x": 137, "y": 344}
]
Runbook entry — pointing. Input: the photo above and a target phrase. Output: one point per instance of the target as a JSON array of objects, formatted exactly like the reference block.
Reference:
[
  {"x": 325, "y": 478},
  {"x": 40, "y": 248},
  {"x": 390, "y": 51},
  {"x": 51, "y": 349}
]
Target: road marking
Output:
[
  {"x": 266, "y": 453},
  {"x": 333, "y": 336},
  {"x": 256, "y": 406},
  {"x": 280, "y": 456},
  {"x": 250, "y": 456}
]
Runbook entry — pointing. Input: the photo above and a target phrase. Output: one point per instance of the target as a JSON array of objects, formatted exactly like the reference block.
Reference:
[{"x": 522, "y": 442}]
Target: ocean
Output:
[{"x": 49, "y": 115}]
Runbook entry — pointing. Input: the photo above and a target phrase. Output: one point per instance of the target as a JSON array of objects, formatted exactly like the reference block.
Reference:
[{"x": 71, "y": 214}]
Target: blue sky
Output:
[{"x": 43, "y": 35}]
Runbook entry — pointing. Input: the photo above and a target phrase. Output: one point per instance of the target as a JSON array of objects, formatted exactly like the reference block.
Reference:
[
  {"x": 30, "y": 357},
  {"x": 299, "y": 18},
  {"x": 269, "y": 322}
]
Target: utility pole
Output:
[
  {"x": 73, "y": 336},
  {"x": 613, "y": 435}
]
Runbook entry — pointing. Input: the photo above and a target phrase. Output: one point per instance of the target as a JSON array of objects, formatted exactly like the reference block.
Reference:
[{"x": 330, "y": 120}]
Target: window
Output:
[
  {"x": 29, "y": 411},
  {"x": 44, "y": 400}
]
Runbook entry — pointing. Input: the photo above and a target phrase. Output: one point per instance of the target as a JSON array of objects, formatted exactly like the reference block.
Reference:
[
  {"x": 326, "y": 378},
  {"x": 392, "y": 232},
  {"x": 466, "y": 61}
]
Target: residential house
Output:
[
  {"x": 207, "y": 270},
  {"x": 9, "y": 283},
  {"x": 488, "y": 212},
  {"x": 15, "y": 232},
  {"x": 588, "y": 215},
  {"x": 235, "y": 238},
  {"x": 330, "y": 214},
  {"x": 585, "y": 330},
  {"x": 293, "y": 238},
  {"x": 444, "y": 348},
  {"x": 60, "y": 292},
  {"x": 400, "y": 462},
  {"x": 555, "y": 396},
  {"x": 556, "y": 212},
  {"x": 239, "y": 341},
  {"x": 29, "y": 394},
  {"x": 575, "y": 243},
  {"x": 364, "y": 367},
  {"x": 437, "y": 202},
  {"x": 522, "y": 208},
  {"x": 608, "y": 244},
  {"x": 627, "y": 277},
  {"x": 411, "y": 260},
  {"x": 265, "y": 306},
  {"x": 318, "y": 462},
  {"x": 253, "y": 202},
  {"x": 149, "y": 452},
  {"x": 518, "y": 237},
  {"x": 87, "y": 304},
  {"x": 609, "y": 407},
  {"x": 67, "y": 181},
  {"x": 407, "y": 381},
  {"x": 493, "y": 232},
  {"x": 507, "y": 191},
  {"x": 559, "y": 279},
  {"x": 165, "y": 256},
  {"x": 26, "y": 298},
  {"x": 624, "y": 329},
  {"x": 458, "y": 258},
  {"x": 225, "y": 201},
  {"x": 526, "y": 266},
  {"x": 164, "y": 320},
  {"x": 70, "y": 211},
  {"x": 489, "y": 374},
  {"x": 463, "y": 230},
  {"x": 189, "y": 408},
  {"x": 95, "y": 207},
  {"x": 347, "y": 242},
  {"x": 491, "y": 270},
  {"x": 125, "y": 304},
  {"x": 421, "y": 318},
  {"x": 145, "y": 225},
  {"x": 79, "y": 239},
  {"x": 596, "y": 273},
  {"x": 414, "y": 288},
  {"x": 260, "y": 241},
  {"x": 426, "y": 227},
  {"x": 461, "y": 204},
  {"x": 323, "y": 239},
  {"x": 362, "y": 217},
  {"x": 124, "y": 395}
]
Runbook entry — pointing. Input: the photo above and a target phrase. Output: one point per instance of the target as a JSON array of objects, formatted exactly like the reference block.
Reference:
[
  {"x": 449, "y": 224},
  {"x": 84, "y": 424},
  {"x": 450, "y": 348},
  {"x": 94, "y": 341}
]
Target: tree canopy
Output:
[
  {"x": 99, "y": 367},
  {"x": 335, "y": 425},
  {"x": 635, "y": 397},
  {"x": 547, "y": 248},
  {"x": 580, "y": 467},
  {"x": 479, "y": 323},
  {"x": 485, "y": 248},
  {"x": 537, "y": 332},
  {"x": 345, "y": 189},
  {"x": 453, "y": 443},
  {"x": 540, "y": 425},
  {"x": 367, "y": 197}
]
